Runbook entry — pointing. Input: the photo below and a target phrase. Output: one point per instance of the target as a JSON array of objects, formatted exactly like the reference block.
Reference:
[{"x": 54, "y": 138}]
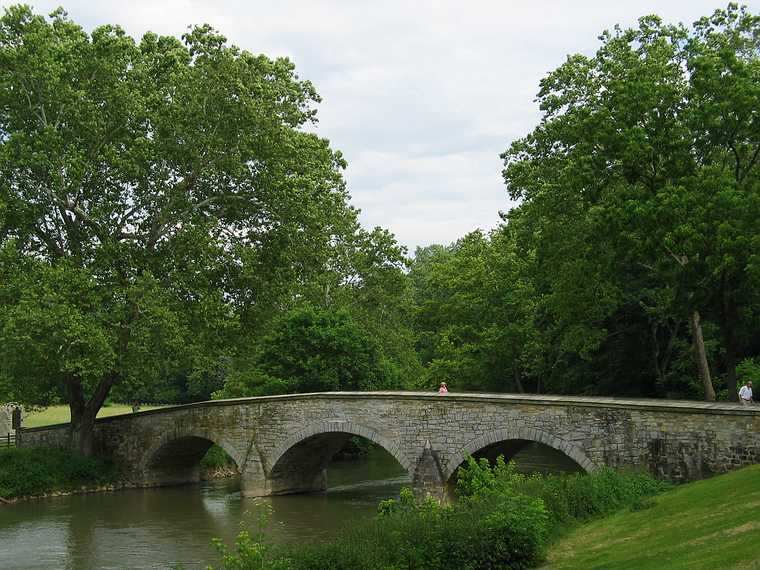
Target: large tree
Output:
[
  {"x": 474, "y": 313},
  {"x": 155, "y": 197},
  {"x": 313, "y": 350},
  {"x": 642, "y": 188}
]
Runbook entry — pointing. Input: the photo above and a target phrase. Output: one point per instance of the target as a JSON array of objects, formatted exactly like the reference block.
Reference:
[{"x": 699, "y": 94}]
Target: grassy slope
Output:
[
  {"x": 61, "y": 414},
  {"x": 709, "y": 525}
]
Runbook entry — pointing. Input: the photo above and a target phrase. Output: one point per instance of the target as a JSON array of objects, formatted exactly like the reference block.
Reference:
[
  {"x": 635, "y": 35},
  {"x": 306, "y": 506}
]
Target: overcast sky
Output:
[{"x": 421, "y": 97}]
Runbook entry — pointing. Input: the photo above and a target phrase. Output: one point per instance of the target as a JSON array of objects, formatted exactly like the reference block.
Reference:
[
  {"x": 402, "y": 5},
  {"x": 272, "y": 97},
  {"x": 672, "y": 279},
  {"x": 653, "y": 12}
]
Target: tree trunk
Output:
[
  {"x": 701, "y": 355},
  {"x": 662, "y": 359},
  {"x": 728, "y": 326},
  {"x": 659, "y": 384},
  {"x": 81, "y": 431},
  {"x": 733, "y": 393},
  {"x": 84, "y": 412},
  {"x": 518, "y": 382}
]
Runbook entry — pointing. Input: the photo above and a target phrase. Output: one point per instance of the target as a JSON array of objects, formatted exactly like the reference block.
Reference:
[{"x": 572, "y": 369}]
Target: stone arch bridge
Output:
[{"x": 282, "y": 444}]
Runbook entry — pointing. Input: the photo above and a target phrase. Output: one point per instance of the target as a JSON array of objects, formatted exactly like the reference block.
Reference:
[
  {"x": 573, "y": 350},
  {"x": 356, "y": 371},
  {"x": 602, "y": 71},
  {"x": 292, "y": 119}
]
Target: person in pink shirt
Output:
[{"x": 443, "y": 389}]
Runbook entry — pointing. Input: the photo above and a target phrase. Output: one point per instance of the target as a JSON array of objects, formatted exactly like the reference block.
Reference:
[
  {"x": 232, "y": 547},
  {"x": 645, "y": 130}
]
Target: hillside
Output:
[{"x": 709, "y": 525}]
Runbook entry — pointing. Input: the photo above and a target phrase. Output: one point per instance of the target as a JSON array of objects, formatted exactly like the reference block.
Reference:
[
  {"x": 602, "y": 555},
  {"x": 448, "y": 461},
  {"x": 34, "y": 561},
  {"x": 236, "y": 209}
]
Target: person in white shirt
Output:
[{"x": 745, "y": 394}]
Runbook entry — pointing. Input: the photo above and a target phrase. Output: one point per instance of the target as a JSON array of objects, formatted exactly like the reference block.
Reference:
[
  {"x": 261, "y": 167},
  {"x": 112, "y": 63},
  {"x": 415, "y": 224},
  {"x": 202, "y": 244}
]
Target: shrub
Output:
[
  {"x": 34, "y": 471},
  {"x": 503, "y": 519},
  {"x": 577, "y": 497},
  {"x": 479, "y": 477},
  {"x": 496, "y": 532},
  {"x": 216, "y": 458},
  {"x": 567, "y": 497}
]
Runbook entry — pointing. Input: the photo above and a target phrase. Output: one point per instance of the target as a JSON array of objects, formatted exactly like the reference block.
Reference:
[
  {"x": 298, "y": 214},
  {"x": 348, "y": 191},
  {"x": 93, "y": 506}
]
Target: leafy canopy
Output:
[
  {"x": 312, "y": 350},
  {"x": 156, "y": 198}
]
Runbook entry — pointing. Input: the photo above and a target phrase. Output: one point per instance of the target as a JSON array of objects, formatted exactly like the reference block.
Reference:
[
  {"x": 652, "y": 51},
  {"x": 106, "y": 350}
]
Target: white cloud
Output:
[{"x": 421, "y": 96}]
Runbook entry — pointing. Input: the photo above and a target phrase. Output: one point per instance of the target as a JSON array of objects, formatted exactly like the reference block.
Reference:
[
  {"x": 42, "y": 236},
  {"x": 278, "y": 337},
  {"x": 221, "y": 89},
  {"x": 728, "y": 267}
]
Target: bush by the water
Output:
[
  {"x": 502, "y": 519},
  {"x": 216, "y": 458},
  {"x": 567, "y": 497},
  {"x": 35, "y": 471}
]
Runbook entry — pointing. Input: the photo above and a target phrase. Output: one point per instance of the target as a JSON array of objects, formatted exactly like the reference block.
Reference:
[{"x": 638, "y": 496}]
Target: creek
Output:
[{"x": 155, "y": 528}]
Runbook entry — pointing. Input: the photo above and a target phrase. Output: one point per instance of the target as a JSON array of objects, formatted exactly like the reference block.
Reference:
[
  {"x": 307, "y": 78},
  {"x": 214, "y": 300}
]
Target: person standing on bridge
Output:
[
  {"x": 745, "y": 394},
  {"x": 443, "y": 389}
]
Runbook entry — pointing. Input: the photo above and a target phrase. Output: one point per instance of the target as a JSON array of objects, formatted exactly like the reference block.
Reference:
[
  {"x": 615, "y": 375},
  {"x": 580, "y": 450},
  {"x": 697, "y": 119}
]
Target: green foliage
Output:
[
  {"x": 216, "y": 458},
  {"x": 34, "y": 471},
  {"x": 749, "y": 369},
  {"x": 313, "y": 350},
  {"x": 407, "y": 503},
  {"x": 575, "y": 498},
  {"x": 252, "y": 551},
  {"x": 639, "y": 195},
  {"x": 568, "y": 498},
  {"x": 479, "y": 478},
  {"x": 645, "y": 192},
  {"x": 160, "y": 202},
  {"x": 426, "y": 536},
  {"x": 366, "y": 277},
  {"x": 473, "y": 314},
  {"x": 502, "y": 520}
]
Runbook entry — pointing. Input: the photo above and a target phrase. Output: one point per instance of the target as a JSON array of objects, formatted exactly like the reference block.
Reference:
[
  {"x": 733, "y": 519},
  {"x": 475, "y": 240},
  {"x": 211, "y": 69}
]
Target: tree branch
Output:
[{"x": 751, "y": 162}]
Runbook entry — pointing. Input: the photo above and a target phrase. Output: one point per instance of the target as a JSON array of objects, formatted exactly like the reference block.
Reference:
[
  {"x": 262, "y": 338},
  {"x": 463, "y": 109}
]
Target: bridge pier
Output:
[
  {"x": 427, "y": 479},
  {"x": 253, "y": 480},
  {"x": 254, "y": 486}
]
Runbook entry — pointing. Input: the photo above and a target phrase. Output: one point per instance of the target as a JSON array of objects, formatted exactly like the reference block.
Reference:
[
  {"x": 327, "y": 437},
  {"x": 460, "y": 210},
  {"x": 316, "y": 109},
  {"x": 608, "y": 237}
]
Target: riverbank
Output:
[
  {"x": 146, "y": 529},
  {"x": 40, "y": 472},
  {"x": 502, "y": 519},
  {"x": 83, "y": 490},
  {"x": 598, "y": 521},
  {"x": 707, "y": 525}
]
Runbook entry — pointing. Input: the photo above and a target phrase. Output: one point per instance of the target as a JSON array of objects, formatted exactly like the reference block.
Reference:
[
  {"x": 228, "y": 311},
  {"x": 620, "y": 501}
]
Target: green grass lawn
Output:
[
  {"x": 61, "y": 414},
  {"x": 707, "y": 525}
]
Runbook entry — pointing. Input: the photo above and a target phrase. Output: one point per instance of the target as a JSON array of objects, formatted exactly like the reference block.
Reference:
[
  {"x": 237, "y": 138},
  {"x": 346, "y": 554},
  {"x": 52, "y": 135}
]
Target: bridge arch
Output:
[
  {"x": 174, "y": 456},
  {"x": 518, "y": 433},
  {"x": 297, "y": 464}
]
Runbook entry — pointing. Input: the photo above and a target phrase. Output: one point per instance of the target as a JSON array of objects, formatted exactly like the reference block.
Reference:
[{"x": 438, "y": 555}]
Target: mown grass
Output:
[
  {"x": 62, "y": 414},
  {"x": 708, "y": 525}
]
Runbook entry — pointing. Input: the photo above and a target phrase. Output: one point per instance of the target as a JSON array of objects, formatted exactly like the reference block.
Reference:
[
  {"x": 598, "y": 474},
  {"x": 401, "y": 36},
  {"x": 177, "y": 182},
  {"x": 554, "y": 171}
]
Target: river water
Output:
[{"x": 155, "y": 528}]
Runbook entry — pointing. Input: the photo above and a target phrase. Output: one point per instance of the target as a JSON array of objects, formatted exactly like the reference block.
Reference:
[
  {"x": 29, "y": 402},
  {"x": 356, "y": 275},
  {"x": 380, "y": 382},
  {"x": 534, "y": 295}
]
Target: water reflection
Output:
[{"x": 153, "y": 528}]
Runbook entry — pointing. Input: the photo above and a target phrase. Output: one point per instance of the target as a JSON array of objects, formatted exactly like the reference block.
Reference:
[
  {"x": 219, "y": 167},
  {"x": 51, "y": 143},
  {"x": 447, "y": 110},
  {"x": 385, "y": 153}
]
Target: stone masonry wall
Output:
[
  {"x": 5, "y": 421},
  {"x": 282, "y": 443}
]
